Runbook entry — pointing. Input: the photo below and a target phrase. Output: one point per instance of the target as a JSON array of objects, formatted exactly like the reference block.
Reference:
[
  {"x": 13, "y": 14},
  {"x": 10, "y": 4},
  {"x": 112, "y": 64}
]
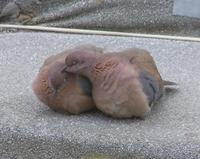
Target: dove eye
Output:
[
  {"x": 71, "y": 63},
  {"x": 74, "y": 62}
]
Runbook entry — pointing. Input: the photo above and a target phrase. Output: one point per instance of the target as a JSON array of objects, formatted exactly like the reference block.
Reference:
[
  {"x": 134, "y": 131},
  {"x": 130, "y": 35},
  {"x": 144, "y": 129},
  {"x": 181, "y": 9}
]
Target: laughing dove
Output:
[
  {"x": 153, "y": 84},
  {"x": 123, "y": 85},
  {"x": 64, "y": 92}
]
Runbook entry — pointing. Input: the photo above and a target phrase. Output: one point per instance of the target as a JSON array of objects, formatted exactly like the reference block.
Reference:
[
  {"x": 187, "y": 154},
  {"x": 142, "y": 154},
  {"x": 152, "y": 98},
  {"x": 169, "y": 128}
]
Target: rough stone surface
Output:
[
  {"x": 28, "y": 129},
  {"x": 144, "y": 16}
]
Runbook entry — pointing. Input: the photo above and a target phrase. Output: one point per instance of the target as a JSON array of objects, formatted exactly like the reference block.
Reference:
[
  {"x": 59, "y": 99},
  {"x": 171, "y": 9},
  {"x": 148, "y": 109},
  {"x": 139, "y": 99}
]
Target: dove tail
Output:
[{"x": 168, "y": 83}]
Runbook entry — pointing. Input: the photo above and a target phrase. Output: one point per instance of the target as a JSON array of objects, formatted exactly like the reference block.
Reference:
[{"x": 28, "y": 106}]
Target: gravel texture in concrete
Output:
[
  {"x": 28, "y": 129},
  {"x": 143, "y": 16}
]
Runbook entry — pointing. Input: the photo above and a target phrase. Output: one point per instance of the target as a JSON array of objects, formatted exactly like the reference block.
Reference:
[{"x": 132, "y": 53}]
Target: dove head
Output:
[
  {"x": 80, "y": 62},
  {"x": 56, "y": 78}
]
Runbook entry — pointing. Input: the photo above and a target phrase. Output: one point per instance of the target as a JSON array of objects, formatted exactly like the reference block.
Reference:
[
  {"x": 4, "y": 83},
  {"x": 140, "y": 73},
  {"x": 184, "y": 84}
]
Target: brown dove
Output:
[
  {"x": 123, "y": 85},
  {"x": 153, "y": 84},
  {"x": 64, "y": 92}
]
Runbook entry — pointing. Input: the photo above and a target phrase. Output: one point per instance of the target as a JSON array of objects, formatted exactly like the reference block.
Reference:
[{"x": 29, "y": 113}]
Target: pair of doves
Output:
[{"x": 120, "y": 84}]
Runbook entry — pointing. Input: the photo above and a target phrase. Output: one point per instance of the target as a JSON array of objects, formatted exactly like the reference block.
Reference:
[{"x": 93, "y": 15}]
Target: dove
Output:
[
  {"x": 22, "y": 11},
  {"x": 124, "y": 84},
  {"x": 10, "y": 10},
  {"x": 63, "y": 92},
  {"x": 152, "y": 82}
]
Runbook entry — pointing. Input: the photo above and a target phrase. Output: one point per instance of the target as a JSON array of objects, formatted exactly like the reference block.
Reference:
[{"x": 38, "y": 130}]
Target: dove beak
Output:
[{"x": 64, "y": 69}]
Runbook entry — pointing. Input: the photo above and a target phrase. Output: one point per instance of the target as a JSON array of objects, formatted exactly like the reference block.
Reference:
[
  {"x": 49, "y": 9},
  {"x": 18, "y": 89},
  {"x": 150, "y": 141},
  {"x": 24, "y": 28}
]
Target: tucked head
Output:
[
  {"x": 79, "y": 61},
  {"x": 55, "y": 77}
]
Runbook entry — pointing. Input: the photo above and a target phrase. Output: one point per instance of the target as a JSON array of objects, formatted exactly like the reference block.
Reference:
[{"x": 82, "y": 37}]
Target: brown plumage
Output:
[
  {"x": 119, "y": 89},
  {"x": 149, "y": 75},
  {"x": 64, "y": 92}
]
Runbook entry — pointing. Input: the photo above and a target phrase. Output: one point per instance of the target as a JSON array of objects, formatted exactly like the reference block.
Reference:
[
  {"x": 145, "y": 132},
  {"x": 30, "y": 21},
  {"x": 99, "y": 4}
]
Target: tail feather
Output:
[{"x": 168, "y": 83}]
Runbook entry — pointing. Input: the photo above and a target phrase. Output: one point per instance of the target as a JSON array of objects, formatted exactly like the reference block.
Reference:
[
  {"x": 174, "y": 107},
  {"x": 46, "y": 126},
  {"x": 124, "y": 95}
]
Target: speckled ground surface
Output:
[
  {"x": 142, "y": 16},
  {"x": 28, "y": 129}
]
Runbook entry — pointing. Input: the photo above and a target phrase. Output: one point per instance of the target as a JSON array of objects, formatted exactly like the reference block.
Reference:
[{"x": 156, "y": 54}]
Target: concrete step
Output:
[{"x": 28, "y": 129}]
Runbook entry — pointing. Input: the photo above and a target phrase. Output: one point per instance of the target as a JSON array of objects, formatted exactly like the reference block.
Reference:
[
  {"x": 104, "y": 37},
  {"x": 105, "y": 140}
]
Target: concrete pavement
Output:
[{"x": 28, "y": 129}]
